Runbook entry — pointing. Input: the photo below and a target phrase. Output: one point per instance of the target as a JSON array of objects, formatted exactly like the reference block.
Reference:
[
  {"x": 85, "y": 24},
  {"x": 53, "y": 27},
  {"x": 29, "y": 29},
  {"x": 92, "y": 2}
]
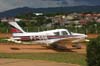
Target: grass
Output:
[
  {"x": 2, "y": 40},
  {"x": 66, "y": 57}
]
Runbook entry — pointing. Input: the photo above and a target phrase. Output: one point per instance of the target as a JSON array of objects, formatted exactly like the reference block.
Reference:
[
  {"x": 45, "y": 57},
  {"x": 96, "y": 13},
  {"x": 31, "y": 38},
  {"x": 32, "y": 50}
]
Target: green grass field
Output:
[{"x": 66, "y": 57}]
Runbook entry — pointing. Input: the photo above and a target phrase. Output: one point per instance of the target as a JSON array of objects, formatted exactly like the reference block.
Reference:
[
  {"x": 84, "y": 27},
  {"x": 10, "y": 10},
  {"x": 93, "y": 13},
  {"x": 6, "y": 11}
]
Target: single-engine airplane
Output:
[{"x": 48, "y": 37}]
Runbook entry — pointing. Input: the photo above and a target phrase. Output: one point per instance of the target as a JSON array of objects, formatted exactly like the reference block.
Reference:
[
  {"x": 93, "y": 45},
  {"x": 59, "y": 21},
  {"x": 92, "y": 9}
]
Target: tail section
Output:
[{"x": 15, "y": 28}]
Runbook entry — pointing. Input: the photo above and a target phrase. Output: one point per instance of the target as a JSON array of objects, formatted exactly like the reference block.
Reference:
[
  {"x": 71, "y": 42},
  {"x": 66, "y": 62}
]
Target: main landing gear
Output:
[
  {"x": 77, "y": 45},
  {"x": 58, "y": 46}
]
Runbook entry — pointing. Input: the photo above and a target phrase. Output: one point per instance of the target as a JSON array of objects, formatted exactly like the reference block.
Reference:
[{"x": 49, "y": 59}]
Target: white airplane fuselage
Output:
[{"x": 49, "y": 37}]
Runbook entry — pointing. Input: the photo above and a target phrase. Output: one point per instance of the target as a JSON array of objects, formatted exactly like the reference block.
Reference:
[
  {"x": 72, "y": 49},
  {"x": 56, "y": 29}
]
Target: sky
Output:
[{"x": 11, "y": 4}]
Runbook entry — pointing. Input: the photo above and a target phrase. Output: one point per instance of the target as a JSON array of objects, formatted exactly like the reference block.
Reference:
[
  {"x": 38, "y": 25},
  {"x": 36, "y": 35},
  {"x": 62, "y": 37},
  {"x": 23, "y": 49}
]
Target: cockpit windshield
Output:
[{"x": 70, "y": 32}]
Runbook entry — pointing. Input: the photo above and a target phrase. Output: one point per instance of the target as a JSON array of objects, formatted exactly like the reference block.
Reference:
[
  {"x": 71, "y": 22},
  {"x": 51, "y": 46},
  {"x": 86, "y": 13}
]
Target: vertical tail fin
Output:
[{"x": 15, "y": 28}]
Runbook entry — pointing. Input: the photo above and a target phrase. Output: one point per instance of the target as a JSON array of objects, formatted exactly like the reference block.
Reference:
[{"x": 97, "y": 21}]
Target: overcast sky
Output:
[{"x": 10, "y": 4}]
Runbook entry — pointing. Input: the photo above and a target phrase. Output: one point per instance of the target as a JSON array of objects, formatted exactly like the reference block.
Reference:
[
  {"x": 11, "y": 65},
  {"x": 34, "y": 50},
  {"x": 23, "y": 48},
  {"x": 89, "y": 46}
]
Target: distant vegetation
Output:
[
  {"x": 4, "y": 27},
  {"x": 39, "y": 23}
]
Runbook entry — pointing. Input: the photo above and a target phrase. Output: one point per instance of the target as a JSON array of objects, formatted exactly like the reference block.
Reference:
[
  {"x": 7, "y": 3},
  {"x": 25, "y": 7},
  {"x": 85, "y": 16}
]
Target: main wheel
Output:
[
  {"x": 58, "y": 46},
  {"x": 77, "y": 46}
]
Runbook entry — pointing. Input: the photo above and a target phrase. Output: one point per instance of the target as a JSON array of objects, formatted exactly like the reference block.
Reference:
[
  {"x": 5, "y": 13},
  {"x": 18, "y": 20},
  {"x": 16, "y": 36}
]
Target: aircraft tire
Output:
[
  {"x": 78, "y": 46},
  {"x": 58, "y": 46}
]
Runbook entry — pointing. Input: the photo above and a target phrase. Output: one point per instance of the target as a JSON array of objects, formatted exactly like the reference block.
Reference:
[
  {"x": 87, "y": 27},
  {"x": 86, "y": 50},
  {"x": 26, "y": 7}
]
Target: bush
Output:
[{"x": 93, "y": 52}]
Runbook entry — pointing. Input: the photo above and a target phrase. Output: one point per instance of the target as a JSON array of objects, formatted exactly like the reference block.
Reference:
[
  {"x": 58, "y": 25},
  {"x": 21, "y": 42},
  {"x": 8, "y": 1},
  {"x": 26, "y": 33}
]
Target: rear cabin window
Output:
[
  {"x": 64, "y": 33},
  {"x": 57, "y": 33}
]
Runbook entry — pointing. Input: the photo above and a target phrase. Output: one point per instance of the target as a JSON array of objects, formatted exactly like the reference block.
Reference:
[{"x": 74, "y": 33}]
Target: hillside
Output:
[{"x": 23, "y": 10}]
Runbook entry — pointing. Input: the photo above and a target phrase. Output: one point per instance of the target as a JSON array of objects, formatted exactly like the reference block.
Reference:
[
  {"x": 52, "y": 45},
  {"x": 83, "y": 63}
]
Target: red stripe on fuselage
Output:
[{"x": 27, "y": 38}]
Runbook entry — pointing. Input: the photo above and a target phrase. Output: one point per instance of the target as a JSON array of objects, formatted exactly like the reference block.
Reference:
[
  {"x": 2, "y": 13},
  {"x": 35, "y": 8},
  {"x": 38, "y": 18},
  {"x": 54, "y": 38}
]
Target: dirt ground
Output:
[
  {"x": 92, "y": 35},
  {"x": 3, "y": 35},
  {"x": 15, "y": 48}
]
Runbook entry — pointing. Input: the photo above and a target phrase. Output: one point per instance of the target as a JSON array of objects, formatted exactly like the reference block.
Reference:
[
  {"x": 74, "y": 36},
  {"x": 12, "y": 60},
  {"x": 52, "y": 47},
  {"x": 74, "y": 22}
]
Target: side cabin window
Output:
[
  {"x": 64, "y": 33},
  {"x": 57, "y": 33}
]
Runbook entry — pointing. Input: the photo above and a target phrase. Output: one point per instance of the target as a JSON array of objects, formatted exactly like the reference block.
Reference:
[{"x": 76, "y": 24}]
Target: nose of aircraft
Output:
[{"x": 83, "y": 36}]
